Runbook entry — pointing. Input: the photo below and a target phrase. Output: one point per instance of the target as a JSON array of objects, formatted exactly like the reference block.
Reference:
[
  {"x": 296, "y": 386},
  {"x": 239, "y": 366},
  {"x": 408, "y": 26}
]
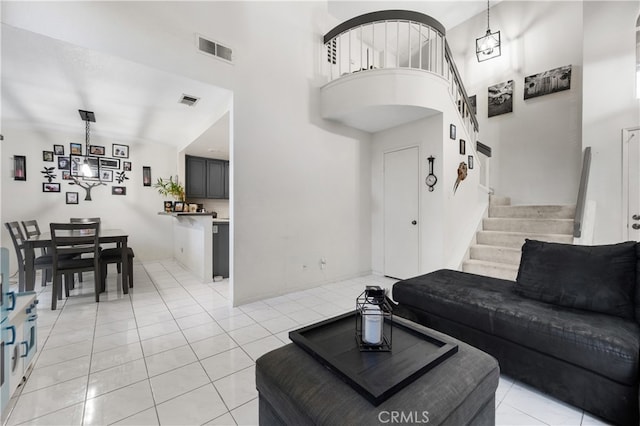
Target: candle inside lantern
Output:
[{"x": 372, "y": 325}]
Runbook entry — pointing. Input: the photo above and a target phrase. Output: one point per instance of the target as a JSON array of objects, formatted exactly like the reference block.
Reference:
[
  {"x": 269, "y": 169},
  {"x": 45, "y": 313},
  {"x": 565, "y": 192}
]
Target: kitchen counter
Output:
[
  {"x": 176, "y": 214},
  {"x": 220, "y": 220}
]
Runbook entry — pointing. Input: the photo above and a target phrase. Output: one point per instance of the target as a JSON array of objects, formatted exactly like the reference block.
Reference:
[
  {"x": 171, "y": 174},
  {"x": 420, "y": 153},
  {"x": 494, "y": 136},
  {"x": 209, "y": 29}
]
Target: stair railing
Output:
[
  {"x": 582, "y": 194},
  {"x": 397, "y": 39}
]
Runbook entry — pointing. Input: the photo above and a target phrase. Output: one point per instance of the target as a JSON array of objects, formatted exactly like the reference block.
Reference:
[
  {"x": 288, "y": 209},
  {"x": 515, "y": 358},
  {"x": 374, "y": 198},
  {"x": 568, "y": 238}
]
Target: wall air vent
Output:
[
  {"x": 216, "y": 49},
  {"x": 188, "y": 100}
]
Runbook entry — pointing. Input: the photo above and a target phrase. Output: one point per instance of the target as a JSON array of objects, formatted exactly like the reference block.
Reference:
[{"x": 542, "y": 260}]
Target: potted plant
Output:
[{"x": 170, "y": 187}]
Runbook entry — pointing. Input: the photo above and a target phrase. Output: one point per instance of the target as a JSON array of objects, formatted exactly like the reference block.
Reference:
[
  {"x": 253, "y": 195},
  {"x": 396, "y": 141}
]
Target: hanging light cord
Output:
[
  {"x": 87, "y": 137},
  {"x": 488, "y": 26}
]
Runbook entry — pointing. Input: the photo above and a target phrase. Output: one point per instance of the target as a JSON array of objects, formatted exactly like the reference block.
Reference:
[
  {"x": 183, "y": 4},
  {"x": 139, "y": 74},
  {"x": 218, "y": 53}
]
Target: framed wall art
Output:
[
  {"x": 71, "y": 197},
  {"x": 96, "y": 150},
  {"x": 547, "y": 82},
  {"x": 120, "y": 151},
  {"x": 50, "y": 187},
  {"x": 452, "y": 131},
  {"x": 500, "y": 100},
  {"x": 118, "y": 190},
  {"x": 146, "y": 176},
  {"x": 109, "y": 163},
  {"x": 75, "y": 148},
  {"x": 47, "y": 156},
  {"x": 470, "y": 162},
  {"x": 19, "y": 167},
  {"x": 64, "y": 163},
  {"x": 126, "y": 166},
  {"x": 58, "y": 149},
  {"x": 106, "y": 175},
  {"x": 462, "y": 147}
]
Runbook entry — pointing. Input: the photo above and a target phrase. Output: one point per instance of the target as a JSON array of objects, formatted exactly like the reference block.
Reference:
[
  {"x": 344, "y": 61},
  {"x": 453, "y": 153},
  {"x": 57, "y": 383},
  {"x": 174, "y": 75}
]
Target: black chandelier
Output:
[
  {"x": 488, "y": 47},
  {"x": 87, "y": 117}
]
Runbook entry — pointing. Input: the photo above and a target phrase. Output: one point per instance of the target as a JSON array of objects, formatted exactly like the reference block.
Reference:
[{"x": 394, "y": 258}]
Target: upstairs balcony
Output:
[{"x": 388, "y": 68}]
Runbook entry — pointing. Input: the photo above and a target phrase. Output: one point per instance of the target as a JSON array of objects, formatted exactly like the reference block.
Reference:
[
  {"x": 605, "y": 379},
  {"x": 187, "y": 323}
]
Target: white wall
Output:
[
  {"x": 300, "y": 184},
  {"x": 609, "y": 105},
  {"x": 150, "y": 235},
  {"x": 536, "y": 148}
]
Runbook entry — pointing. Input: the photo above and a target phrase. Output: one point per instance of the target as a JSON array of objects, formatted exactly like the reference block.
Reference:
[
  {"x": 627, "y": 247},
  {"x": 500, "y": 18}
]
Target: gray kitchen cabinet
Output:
[
  {"x": 206, "y": 178},
  {"x": 221, "y": 250}
]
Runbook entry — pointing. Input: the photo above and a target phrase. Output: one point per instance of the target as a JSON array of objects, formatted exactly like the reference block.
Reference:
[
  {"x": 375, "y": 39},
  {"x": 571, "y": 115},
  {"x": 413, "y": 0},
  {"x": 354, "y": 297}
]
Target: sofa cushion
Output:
[
  {"x": 593, "y": 278},
  {"x": 605, "y": 344}
]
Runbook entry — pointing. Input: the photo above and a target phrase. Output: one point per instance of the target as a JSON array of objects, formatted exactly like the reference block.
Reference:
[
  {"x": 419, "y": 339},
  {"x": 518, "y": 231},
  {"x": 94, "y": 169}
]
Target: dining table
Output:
[{"x": 43, "y": 240}]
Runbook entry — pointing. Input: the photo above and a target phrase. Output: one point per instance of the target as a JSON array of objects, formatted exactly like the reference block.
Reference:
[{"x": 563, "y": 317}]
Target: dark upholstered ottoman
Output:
[{"x": 295, "y": 389}]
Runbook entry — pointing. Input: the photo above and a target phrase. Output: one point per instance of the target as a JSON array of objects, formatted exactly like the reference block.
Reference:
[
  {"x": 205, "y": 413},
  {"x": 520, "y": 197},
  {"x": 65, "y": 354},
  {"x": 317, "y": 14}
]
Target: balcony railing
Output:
[{"x": 397, "y": 39}]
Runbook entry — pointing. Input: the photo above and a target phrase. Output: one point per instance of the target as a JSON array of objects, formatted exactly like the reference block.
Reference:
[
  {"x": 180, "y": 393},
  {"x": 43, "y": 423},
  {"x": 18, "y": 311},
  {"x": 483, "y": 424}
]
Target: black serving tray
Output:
[{"x": 375, "y": 375}]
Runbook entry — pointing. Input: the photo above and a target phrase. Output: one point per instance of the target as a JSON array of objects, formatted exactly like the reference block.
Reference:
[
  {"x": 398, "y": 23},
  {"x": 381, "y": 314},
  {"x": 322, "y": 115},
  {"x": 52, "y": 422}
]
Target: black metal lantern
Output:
[{"x": 373, "y": 320}]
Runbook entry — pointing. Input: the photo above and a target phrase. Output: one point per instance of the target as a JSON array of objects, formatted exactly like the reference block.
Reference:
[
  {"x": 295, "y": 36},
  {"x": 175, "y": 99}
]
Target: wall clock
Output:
[{"x": 431, "y": 178}]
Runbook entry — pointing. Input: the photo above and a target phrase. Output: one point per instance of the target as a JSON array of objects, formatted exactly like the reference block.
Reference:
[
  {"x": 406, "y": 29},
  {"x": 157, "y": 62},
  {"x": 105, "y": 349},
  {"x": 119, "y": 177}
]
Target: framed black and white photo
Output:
[
  {"x": 76, "y": 162},
  {"x": 96, "y": 150},
  {"x": 66, "y": 174},
  {"x": 72, "y": 197},
  {"x": 120, "y": 151},
  {"x": 109, "y": 163},
  {"x": 106, "y": 175},
  {"x": 470, "y": 161},
  {"x": 118, "y": 190},
  {"x": 146, "y": 176},
  {"x": 64, "y": 163},
  {"x": 462, "y": 147},
  {"x": 452, "y": 131},
  {"x": 58, "y": 149},
  {"x": 544, "y": 83},
  {"x": 75, "y": 148},
  {"x": 47, "y": 156},
  {"x": 126, "y": 166},
  {"x": 19, "y": 167},
  {"x": 50, "y": 187},
  {"x": 500, "y": 100}
]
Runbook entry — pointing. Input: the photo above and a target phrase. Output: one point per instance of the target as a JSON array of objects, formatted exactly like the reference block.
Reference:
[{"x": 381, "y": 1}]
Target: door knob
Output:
[
  {"x": 635, "y": 217},
  {"x": 635, "y": 226},
  {"x": 413, "y": 222}
]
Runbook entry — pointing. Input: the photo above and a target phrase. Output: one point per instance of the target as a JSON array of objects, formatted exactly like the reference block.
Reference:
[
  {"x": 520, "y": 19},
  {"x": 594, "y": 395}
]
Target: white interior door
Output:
[
  {"x": 401, "y": 208},
  {"x": 631, "y": 152}
]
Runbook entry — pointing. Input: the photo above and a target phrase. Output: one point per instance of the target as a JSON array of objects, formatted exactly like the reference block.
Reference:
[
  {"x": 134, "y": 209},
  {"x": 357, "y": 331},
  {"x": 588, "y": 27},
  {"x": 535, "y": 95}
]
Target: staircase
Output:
[{"x": 496, "y": 252}]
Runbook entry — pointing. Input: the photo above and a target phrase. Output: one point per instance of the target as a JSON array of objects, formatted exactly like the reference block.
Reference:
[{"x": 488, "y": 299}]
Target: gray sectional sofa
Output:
[{"x": 569, "y": 324}]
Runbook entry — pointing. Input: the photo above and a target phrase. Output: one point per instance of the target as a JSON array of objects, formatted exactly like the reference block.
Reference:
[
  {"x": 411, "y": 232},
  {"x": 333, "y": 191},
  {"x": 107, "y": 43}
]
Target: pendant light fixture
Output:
[
  {"x": 488, "y": 47},
  {"x": 86, "y": 116}
]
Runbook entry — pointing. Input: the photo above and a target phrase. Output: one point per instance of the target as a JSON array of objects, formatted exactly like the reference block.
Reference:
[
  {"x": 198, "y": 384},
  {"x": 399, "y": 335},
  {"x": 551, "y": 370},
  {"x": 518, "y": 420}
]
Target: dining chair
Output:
[
  {"x": 43, "y": 262},
  {"x": 75, "y": 239},
  {"x": 114, "y": 255},
  {"x": 32, "y": 229},
  {"x": 83, "y": 220}
]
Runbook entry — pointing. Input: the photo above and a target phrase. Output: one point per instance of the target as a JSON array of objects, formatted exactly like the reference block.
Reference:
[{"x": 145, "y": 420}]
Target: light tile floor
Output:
[{"x": 175, "y": 352}]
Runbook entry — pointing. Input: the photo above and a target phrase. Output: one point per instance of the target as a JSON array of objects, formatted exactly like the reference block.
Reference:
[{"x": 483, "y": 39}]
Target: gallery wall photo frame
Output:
[
  {"x": 19, "y": 167},
  {"x": 500, "y": 98},
  {"x": 75, "y": 148},
  {"x": 97, "y": 150},
  {"x": 452, "y": 131},
  {"x": 109, "y": 163},
  {"x": 470, "y": 162},
  {"x": 58, "y": 149},
  {"x": 547, "y": 82},
  {"x": 146, "y": 176},
  {"x": 126, "y": 166},
  {"x": 106, "y": 175},
  {"x": 120, "y": 151},
  {"x": 64, "y": 163},
  {"x": 50, "y": 187},
  {"x": 71, "y": 197},
  {"x": 462, "y": 147},
  {"x": 118, "y": 190},
  {"x": 47, "y": 156}
]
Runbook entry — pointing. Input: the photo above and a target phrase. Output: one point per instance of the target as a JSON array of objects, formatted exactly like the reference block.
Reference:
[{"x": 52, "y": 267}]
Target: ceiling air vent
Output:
[
  {"x": 188, "y": 100},
  {"x": 213, "y": 48}
]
